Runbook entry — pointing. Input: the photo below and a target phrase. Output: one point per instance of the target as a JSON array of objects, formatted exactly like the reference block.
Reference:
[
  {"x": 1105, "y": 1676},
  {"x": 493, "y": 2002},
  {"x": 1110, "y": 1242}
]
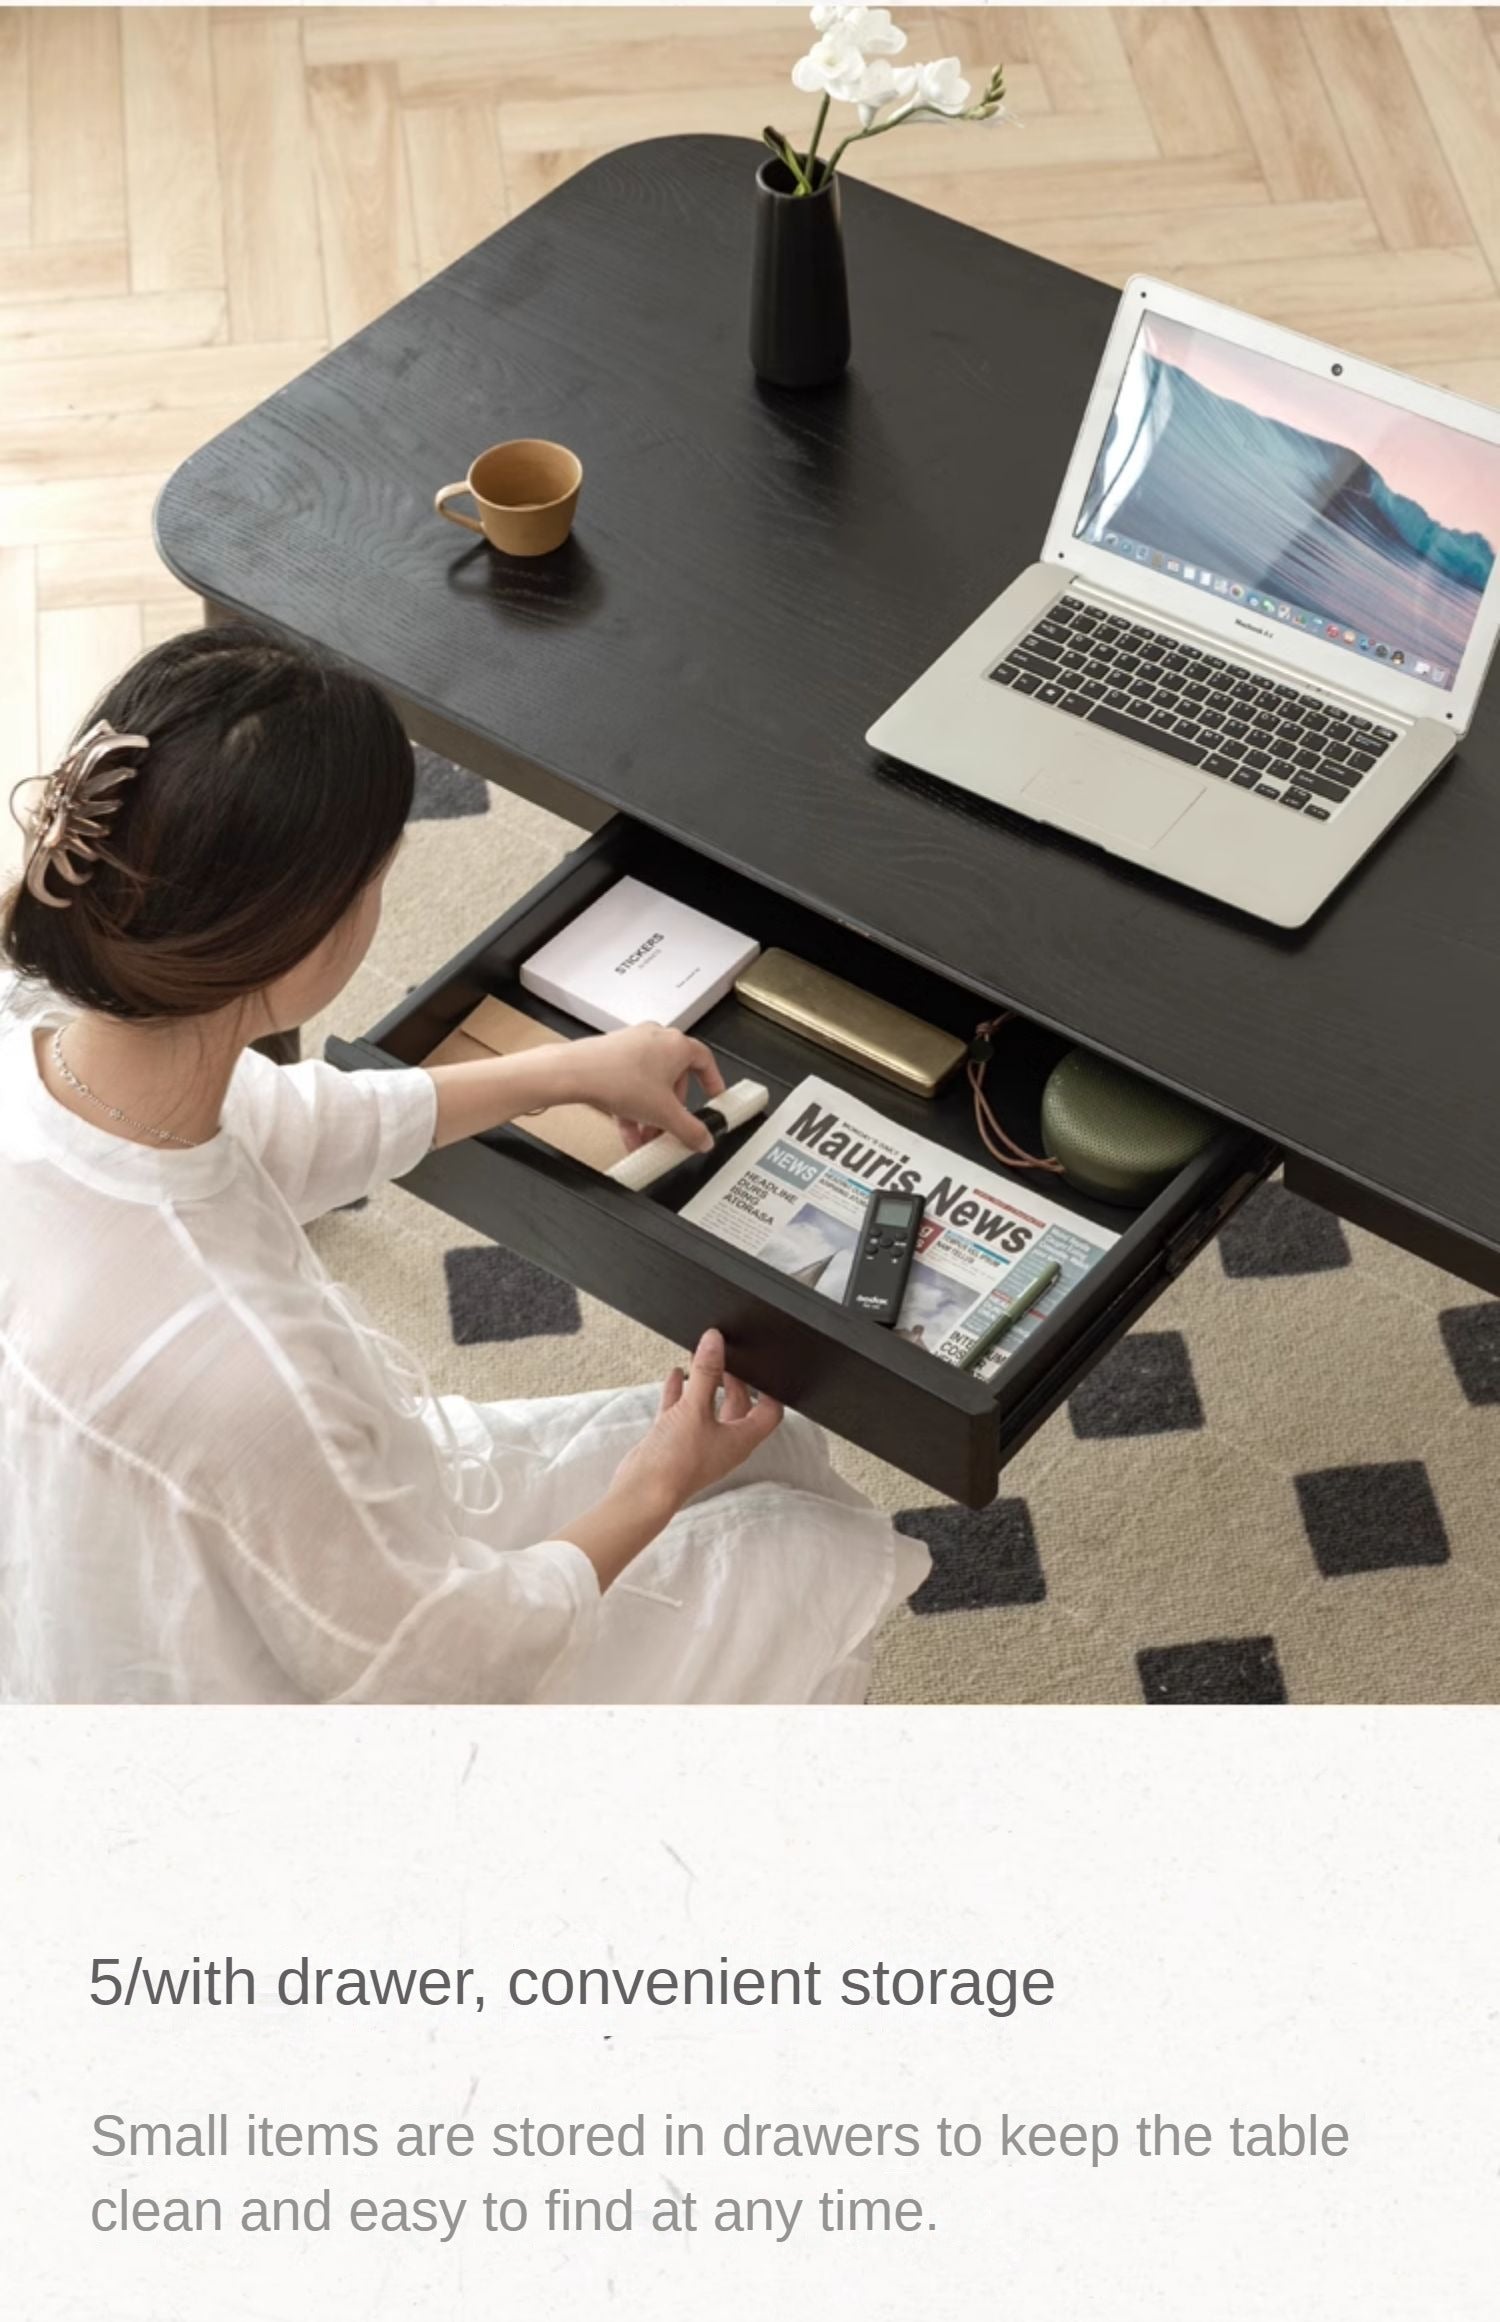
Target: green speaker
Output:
[{"x": 1118, "y": 1138}]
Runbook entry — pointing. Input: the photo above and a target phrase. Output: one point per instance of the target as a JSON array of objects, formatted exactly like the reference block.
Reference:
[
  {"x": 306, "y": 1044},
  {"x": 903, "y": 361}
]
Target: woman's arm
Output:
[
  {"x": 486, "y": 1094},
  {"x": 327, "y": 1137},
  {"x": 361, "y": 1594},
  {"x": 639, "y": 1075},
  {"x": 614, "y": 1531},
  {"x": 706, "y": 1426}
]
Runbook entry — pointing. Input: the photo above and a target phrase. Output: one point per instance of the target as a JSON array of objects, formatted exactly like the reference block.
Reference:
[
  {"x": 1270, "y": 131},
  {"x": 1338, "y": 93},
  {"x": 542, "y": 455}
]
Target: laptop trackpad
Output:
[{"x": 1137, "y": 805}]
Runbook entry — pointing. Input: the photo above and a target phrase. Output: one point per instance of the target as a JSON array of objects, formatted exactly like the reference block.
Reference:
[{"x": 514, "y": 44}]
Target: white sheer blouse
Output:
[
  {"x": 222, "y": 1484},
  {"x": 215, "y": 1486}
]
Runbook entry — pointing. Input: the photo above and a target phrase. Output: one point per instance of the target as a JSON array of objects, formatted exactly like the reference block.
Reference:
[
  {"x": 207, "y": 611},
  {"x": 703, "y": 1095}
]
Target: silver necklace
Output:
[{"x": 81, "y": 1088}]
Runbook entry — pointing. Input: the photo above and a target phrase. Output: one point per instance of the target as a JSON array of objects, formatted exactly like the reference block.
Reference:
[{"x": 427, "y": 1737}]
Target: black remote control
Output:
[{"x": 877, "y": 1279}]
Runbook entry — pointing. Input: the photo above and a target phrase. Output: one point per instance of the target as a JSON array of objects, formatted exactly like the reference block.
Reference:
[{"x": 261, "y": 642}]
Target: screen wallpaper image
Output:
[{"x": 1321, "y": 506}]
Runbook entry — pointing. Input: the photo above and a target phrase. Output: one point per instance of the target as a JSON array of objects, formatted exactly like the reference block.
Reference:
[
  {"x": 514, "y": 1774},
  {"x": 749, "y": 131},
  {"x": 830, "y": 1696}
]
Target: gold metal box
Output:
[{"x": 851, "y": 1023}]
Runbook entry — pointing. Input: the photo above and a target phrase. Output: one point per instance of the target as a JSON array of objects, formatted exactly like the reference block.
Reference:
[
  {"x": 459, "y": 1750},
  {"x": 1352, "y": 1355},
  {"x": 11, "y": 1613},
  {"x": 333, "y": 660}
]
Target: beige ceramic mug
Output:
[{"x": 525, "y": 492}]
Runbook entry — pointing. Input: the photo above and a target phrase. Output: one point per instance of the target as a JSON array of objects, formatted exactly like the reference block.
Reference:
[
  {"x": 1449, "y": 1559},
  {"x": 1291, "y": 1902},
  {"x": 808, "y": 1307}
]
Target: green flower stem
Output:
[
  {"x": 876, "y": 129},
  {"x": 782, "y": 147},
  {"x": 812, "y": 150},
  {"x": 983, "y": 111}
]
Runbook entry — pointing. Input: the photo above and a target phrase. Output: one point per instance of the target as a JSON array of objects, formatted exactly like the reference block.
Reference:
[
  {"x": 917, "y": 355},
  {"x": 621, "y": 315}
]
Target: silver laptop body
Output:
[{"x": 1246, "y": 646}]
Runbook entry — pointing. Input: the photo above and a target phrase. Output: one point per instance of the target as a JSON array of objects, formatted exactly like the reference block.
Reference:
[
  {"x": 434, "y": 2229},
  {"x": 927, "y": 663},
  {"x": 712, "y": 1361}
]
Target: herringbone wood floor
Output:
[{"x": 194, "y": 203}]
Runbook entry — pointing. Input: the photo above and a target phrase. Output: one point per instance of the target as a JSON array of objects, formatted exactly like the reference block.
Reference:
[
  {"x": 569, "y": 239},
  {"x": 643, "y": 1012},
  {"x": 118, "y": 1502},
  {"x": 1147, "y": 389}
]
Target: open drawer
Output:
[{"x": 632, "y": 1251}]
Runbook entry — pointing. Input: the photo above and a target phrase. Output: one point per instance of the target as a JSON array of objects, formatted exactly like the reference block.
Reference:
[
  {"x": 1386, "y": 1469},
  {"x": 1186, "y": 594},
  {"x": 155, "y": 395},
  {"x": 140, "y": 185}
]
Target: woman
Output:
[{"x": 221, "y": 1484}]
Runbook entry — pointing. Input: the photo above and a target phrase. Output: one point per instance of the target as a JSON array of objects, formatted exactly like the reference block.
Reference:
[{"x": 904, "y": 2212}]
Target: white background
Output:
[{"x": 1245, "y": 1912}]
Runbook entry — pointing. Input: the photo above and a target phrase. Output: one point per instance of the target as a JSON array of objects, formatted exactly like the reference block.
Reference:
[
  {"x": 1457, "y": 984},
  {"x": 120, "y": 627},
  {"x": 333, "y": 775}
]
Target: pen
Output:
[{"x": 1022, "y": 1303}]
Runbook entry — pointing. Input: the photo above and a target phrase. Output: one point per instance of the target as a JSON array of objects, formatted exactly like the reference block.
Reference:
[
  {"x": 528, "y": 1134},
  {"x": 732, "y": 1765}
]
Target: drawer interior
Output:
[
  {"x": 633, "y": 1251},
  {"x": 747, "y": 1044}
]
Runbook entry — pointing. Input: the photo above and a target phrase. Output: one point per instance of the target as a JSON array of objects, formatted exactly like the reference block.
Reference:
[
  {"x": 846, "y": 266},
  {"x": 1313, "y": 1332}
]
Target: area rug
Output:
[{"x": 1280, "y": 1488}]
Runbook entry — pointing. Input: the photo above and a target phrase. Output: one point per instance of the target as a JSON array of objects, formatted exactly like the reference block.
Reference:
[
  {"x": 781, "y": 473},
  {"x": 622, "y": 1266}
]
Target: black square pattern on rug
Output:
[
  {"x": 1276, "y": 1232},
  {"x": 1240, "y": 1669},
  {"x": 1471, "y": 1335},
  {"x": 494, "y": 1295},
  {"x": 980, "y": 1557},
  {"x": 1144, "y": 1387},
  {"x": 1371, "y": 1519},
  {"x": 445, "y": 791}
]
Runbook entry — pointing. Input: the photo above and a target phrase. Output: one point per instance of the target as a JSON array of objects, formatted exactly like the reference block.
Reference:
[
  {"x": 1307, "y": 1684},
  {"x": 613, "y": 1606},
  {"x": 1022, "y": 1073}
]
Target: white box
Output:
[{"x": 638, "y": 957}]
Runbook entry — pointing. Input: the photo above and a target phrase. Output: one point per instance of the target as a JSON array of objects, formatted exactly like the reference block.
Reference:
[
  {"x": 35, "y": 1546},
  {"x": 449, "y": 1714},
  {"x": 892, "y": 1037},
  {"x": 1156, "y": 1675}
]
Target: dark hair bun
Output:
[{"x": 275, "y": 786}]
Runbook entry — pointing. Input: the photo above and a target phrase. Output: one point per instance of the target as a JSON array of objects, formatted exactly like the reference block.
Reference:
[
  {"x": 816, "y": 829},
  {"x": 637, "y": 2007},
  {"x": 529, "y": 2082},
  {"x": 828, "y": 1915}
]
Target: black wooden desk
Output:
[{"x": 755, "y": 574}]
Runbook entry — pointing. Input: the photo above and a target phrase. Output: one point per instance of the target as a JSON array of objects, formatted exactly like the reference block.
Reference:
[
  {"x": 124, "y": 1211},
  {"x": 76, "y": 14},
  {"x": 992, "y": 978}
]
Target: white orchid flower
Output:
[
  {"x": 832, "y": 67},
  {"x": 872, "y": 32},
  {"x": 882, "y": 85},
  {"x": 870, "y": 29},
  {"x": 848, "y": 65},
  {"x": 941, "y": 87}
]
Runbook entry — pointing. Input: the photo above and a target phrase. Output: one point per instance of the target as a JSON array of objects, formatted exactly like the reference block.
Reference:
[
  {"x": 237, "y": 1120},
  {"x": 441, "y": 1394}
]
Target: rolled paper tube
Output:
[{"x": 740, "y": 1103}]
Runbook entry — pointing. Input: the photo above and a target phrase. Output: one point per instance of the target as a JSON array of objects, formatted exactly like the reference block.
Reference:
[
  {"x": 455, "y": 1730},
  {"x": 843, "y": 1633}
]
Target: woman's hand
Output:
[
  {"x": 697, "y": 1438},
  {"x": 640, "y": 1076}
]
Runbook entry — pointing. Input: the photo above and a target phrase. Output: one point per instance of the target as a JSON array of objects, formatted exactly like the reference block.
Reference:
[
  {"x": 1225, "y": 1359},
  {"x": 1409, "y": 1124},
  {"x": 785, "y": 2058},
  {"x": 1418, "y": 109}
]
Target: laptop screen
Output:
[{"x": 1308, "y": 501}]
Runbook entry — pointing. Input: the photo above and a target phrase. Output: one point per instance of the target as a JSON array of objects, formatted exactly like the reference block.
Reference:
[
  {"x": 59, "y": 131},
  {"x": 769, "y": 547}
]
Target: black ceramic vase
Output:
[{"x": 799, "y": 295}]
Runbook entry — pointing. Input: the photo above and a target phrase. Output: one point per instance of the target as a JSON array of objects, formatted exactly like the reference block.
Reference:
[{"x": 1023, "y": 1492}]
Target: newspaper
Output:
[{"x": 796, "y": 1194}]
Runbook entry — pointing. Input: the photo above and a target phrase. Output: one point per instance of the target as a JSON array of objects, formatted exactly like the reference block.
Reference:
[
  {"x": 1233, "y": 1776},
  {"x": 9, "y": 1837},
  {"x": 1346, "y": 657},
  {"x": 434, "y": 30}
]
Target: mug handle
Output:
[{"x": 440, "y": 503}]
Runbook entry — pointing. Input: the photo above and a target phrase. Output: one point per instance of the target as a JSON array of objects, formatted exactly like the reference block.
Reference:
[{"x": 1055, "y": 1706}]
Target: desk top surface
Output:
[{"x": 755, "y": 574}]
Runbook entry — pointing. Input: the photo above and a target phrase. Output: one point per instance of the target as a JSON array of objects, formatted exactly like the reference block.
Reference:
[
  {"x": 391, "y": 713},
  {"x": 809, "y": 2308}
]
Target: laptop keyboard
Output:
[{"x": 1266, "y": 738}]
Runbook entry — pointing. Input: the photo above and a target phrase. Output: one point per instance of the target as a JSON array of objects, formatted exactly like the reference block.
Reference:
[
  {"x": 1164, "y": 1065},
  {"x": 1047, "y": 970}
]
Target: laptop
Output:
[{"x": 1260, "y": 622}]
